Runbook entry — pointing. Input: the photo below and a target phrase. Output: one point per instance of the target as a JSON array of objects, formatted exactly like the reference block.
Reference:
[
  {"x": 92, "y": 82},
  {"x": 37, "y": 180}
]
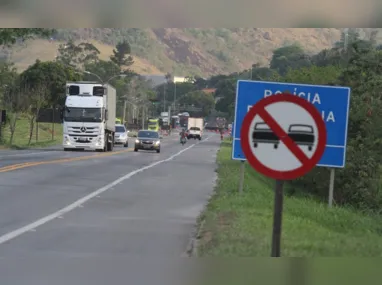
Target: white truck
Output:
[
  {"x": 195, "y": 128},
  {"x": 89, "y": 116},
  {"x": 165, "y": 118}
]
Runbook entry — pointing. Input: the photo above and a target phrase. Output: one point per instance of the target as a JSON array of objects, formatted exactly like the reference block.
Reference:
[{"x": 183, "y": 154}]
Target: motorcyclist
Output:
[{"x": 182, "y": 135}]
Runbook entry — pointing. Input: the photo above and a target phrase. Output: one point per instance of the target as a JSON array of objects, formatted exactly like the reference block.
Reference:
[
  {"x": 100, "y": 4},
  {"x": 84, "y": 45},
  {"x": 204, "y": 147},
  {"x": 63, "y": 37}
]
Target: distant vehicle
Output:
[
  {"x": 263, "y": 134},
  {"x": 302, "y": 135},
  {"x": 148, "y": 140},
  {"x": 153, "y": 125},
  {"x": 195, "y": 126},
  {"x": 183, "y": 121},
  {"x": 121, "y": 135}
]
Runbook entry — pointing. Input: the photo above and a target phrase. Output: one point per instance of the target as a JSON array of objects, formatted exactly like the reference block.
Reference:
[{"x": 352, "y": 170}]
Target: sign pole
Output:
[
  {"x": 262, "y": 151},
  {"x": 331, "y": 187},
  {"x": 241, "y": 182},
  {"x": 53, "y": 123},
  {"x": 277, "y": 218}
]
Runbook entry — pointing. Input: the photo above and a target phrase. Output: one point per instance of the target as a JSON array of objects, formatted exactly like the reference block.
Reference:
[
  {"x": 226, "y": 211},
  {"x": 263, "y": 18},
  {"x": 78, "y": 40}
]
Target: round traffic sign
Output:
[{"x": 283, "y": 136}]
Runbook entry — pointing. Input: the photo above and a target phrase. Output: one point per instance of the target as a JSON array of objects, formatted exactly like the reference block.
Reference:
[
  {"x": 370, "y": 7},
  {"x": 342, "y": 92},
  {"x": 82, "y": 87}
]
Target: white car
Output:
[{"x": 121, "y": 136}]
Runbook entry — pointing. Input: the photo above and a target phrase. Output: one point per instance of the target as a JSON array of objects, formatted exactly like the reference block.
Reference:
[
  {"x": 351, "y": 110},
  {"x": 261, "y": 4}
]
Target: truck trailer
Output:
[{"x": 89, "y": 116}]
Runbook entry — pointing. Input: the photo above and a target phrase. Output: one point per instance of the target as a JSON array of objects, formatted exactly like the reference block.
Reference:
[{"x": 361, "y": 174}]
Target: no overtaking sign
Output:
[{"x": 283, "y": 136}]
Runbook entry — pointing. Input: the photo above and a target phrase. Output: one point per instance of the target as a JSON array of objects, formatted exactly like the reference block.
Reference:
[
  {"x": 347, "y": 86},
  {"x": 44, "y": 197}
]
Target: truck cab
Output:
[{"x": 89, "y": 117}]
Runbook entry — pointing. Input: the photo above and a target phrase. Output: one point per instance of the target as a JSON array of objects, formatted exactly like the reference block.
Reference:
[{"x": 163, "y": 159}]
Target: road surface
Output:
[{"x": 102, "y": 218}]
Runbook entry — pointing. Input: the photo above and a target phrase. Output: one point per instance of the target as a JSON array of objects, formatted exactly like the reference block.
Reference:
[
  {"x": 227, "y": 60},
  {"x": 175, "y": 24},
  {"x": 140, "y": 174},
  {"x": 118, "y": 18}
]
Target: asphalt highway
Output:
[{"x": 102, "y": 218}]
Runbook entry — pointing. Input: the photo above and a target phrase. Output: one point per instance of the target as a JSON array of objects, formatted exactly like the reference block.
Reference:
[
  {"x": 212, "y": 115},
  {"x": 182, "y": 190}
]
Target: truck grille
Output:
[{"x": 88, "y": 131}]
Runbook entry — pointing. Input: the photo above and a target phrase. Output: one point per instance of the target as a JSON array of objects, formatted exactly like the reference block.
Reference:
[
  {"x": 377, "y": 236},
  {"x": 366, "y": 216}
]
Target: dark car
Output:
[
  {"x": 302, "y": 135},
  {"x": 148, "y": 140},
  {"x": 264, "y": 134}
]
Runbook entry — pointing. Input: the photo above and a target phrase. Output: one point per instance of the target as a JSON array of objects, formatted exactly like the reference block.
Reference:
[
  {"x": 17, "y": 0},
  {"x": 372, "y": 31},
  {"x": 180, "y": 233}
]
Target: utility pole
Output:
[
  {"x": 143, "y": 117},
  {"x": 174, "y": 93},
  {"x": 346, "y": 39},
  {"x": 164, "y": 97},
  {"x": 124, "y": 111}
]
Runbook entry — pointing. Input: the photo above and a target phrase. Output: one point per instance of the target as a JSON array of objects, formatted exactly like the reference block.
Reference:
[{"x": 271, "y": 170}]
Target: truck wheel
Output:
[
  {"x": 109, "y": 144},
  {"x": 126, "y": 144},
  {"x": 135, "y": 149}
]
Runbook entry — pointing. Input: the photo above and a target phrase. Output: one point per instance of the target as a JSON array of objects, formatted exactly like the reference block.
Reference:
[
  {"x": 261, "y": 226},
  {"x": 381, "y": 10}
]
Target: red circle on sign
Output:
[{"x": 259, "y": 108}]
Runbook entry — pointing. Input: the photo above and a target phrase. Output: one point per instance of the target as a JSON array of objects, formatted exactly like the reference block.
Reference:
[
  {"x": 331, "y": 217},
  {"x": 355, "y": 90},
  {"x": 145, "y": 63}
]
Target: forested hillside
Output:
[{"x": 184, "y": 51}]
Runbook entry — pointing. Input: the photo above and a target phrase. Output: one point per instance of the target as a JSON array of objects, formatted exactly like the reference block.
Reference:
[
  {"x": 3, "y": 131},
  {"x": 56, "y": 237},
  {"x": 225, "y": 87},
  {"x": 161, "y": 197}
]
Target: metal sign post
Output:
[
  {"x": 277, "y": 219},
  {"x": 242, "y": 171},
  {"x": 331, "y": 187},
  {"x": 287, "y": 127}
]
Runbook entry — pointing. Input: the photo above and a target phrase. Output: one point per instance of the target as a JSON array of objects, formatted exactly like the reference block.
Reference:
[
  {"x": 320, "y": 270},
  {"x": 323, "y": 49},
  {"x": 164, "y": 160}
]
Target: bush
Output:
[{"x": 358, "y": 183}]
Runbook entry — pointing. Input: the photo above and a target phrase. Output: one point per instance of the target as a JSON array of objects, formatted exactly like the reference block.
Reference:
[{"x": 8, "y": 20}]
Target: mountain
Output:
[{"x": 184, "y": 52}]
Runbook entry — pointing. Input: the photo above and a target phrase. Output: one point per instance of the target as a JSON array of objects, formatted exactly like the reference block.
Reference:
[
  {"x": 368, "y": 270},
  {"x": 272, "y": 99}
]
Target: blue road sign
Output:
[{"x": 331, "y": 101}]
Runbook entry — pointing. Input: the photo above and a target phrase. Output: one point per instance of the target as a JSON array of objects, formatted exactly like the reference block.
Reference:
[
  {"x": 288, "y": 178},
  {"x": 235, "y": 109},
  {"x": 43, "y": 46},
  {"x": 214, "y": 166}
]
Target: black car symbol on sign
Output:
[
  {"x": 302, "y": 135},
  {"x": 299, "y": 133},
  {"x": 264, "y": 134}
]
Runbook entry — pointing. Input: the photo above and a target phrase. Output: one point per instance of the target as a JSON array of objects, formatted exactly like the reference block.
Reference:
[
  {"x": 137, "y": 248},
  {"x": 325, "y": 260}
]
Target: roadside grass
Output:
[
  {"x": 235, "y": 225},
  {"x": 21, "y": 136}
]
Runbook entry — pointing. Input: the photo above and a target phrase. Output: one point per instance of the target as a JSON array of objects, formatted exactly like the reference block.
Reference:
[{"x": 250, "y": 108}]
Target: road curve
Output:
[{"x": 84, "y": 218}]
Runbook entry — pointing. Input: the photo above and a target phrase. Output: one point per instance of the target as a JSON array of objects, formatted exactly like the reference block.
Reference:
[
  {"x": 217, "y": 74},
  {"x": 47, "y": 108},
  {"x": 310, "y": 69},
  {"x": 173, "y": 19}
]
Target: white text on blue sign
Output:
[{"x": 327, "y": 116}]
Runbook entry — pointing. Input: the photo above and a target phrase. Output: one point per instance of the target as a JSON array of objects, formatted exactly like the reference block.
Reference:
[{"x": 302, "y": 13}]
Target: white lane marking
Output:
[{"x": 11, "y": 235}]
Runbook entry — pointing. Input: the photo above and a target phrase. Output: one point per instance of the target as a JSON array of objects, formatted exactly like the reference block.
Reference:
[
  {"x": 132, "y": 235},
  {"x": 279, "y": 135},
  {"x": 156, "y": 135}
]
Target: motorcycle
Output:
[{"x": 183, "y": 140}]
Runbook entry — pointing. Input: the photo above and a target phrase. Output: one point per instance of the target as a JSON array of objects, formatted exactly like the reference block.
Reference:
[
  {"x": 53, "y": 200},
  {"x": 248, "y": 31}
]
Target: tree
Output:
[
  {"x": 225, "y": 93},
  {"x": 14, "y": 103},
  {"x": 104, "y": 69},
  {"x": 36, "y": 98},
  {"x": 289, "y": 57},
  {"x": 358, "y": 183},
  {"x": 10, "y": 36},
  {"x": 122, "y": 55},
  {"x": 79, "y": 55},
  {"x": 199, "y": 99},
  {"x": 53, "y": 75},
  {"x": 8, "y": 74}
]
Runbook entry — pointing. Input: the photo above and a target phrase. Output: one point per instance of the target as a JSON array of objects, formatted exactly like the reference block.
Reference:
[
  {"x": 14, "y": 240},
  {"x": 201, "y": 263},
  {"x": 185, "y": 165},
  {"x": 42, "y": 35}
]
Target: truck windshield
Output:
[
  {"x": 153, "y": 124},
  {"x": 83, "y": 115}
]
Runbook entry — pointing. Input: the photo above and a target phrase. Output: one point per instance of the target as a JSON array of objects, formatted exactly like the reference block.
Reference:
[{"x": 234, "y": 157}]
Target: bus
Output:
[{"x": 153, "y": 125}]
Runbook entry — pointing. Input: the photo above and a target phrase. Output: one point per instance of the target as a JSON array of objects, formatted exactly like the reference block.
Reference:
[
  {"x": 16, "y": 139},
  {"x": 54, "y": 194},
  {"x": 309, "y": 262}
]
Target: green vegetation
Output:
[
  {"x": 46, "y": 136},
  {"x": 237, "y": 225},
  {"x": 240, "y": 225},
  {"x": 42, "y": 86},
  {"x": 10, "y": 36},
  {"x": 356, "y": 65}
]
